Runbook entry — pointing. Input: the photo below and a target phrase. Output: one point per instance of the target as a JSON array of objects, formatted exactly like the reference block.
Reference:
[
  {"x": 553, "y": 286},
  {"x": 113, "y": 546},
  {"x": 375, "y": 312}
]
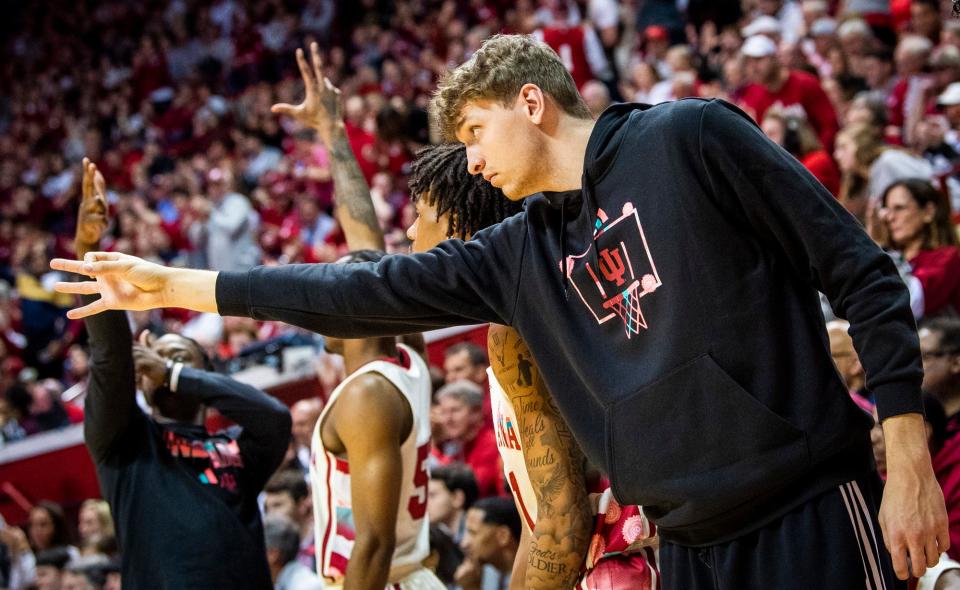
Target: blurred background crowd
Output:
[{"x": 172, "y": 99}]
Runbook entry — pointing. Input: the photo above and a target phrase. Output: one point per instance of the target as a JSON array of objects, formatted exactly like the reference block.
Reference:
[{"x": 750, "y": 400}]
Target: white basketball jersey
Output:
[
  {"x": 507, "y": 429},
  {"x": 330, "y": 476}
]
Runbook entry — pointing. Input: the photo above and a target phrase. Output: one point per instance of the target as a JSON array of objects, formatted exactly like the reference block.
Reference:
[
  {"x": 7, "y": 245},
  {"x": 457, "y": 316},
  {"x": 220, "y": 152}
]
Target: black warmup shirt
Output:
[{"x": 184, "y": 501}]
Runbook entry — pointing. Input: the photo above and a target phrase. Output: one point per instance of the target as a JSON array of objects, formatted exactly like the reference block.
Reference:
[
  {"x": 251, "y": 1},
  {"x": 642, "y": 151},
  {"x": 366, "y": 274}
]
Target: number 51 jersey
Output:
[{"x": 330, "y": 476}]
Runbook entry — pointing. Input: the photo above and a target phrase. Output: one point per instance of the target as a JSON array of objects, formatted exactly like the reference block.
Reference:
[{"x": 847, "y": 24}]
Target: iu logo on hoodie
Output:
[{"x": 613, "y": 276}]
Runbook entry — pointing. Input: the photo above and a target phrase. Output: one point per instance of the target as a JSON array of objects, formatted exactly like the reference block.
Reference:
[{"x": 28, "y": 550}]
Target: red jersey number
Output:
[{"x": 418, "y": 501}]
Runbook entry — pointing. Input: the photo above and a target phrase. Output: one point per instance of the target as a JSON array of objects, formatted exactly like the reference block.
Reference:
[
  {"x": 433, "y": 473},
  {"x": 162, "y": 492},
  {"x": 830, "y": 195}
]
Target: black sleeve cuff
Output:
[
  {"x": 233, "y": 293},
  {"x": 894, "y": 399}
]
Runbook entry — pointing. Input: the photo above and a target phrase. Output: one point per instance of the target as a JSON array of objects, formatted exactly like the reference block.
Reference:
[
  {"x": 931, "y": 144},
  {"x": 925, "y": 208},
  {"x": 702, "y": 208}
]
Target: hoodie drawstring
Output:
[{"x": 563, "y": 252}]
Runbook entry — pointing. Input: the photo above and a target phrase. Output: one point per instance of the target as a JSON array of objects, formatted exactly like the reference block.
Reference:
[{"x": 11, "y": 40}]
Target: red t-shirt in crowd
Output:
[
  {"x": 569, "y": 43},
  {"x": 946, "y": 466},
  {"x": 821, "y": 165},
  {"x": 801, "y": 89},
  {"x": 482, "y": 456},
  {"x": 938, "y": 271}
]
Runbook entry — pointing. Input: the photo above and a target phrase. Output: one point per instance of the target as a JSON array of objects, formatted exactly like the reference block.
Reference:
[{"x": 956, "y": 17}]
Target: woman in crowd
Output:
[
  {"x": 48, "y": 527},
  {"x": 869, "y": 166},
  {"x": 794, "y": 134},
  {"x": 916, "y": 222},
  {"x": 95, "y": 520}
]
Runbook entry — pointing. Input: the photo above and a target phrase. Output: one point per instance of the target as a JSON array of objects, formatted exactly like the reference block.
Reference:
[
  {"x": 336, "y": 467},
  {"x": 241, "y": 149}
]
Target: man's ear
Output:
[
  {"x": 504, "y": 535},
  {"x": 459, "y": 499},
  {"x": 533, "y": 101}
]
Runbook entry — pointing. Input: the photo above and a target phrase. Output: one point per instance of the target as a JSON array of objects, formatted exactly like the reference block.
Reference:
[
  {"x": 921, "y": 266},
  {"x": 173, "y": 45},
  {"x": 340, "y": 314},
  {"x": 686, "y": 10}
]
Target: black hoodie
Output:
[{"x": 717, "y": 407}]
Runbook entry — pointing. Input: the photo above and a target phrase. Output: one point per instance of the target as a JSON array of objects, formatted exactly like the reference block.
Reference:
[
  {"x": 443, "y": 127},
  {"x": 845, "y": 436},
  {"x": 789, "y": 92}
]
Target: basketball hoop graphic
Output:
[{"x": 625, "y": 271}]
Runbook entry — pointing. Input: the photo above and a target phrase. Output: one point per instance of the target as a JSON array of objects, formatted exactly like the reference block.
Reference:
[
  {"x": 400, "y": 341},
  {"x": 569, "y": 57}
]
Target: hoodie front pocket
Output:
[{"x": 694, "y": 443}]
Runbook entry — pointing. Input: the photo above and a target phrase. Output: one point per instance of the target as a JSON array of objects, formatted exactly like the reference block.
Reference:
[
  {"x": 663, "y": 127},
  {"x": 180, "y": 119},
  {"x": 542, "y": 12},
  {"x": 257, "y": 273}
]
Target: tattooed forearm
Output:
[
  {"x": 554, "y": 462},
  {"x": 353, "y": 204}
]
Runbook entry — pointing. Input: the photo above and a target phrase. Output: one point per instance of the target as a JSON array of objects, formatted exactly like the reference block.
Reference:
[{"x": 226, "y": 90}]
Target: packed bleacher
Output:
[{"x": 172, "y": 99}]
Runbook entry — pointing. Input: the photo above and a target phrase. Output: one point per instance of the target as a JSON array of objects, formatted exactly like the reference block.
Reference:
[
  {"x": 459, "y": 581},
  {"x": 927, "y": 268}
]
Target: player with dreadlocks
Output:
[
  {"x": 613, "y": 550},
  {"x": 465, "y": 203}
]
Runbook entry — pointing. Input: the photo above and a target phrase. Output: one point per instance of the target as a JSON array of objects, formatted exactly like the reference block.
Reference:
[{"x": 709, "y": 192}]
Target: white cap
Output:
[
  {"x": 759, "y": 46},
  {"x": 823, "y": 26},
  {"x": 950, "y": 96},
  {"x": 762, "y": 25}
]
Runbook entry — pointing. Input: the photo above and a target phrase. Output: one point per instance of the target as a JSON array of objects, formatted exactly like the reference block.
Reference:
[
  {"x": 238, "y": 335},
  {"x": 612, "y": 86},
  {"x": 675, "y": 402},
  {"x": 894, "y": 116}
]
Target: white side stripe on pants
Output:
[{"x": 857, "y": 510}]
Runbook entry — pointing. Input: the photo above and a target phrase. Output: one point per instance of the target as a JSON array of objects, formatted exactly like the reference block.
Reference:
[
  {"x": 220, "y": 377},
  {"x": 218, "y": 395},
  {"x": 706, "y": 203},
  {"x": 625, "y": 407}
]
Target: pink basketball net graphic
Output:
[{"x": 624, "y": 274}]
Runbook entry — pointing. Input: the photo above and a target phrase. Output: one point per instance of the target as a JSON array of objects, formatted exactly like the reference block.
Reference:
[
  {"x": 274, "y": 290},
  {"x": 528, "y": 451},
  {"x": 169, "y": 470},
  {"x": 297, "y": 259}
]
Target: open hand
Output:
[
  {"x": 122, "y": 281},
  {"x": 151, "y": 368},
  {"x": 92, "y": 217},
  {"x": 321, "y": 108}
]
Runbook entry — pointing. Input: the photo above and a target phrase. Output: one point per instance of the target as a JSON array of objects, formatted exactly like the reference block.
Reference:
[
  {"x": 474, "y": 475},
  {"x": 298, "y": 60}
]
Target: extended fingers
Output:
[
  {"x": 74, "y": 266},
  {"x": 84, "y": 288},
  {"x": 283, "y": 109},
  {"x": 917, "y": 557},
  {"x": 86, "y": 184},
  {"x": 317, "y": 63},
  {"x": 305, "y": 71},
  {"x": 93, "y": 264},
  {"x": 94, "y": 308}
]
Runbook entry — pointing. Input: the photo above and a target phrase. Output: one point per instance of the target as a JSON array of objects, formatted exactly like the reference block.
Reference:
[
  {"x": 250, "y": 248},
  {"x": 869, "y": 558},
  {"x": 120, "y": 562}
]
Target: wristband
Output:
[
  {"x": 175, "y": 376},
  {"x": 166, "y": 374}
]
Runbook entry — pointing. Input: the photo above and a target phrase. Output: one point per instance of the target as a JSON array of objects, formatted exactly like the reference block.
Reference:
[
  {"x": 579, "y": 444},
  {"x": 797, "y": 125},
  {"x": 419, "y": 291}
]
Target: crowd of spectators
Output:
[{"x": 172, "y": 99}]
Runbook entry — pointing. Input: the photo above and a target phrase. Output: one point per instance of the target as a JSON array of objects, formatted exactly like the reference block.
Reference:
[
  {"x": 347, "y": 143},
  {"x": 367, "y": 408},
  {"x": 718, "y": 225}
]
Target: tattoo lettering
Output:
[
  {"x": 554, "y": 463},
  {"x": 546, "y": 561}
]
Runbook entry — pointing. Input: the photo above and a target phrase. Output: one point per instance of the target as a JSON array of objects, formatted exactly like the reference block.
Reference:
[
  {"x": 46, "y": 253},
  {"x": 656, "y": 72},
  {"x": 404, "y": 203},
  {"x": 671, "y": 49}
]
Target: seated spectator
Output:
[
  {"x": 45, "y": 411},
  {"x": 794, "y": 134},
  {"x": 282, "y": 542},
  {"x": 287, "y": 495},
  {"x": 868, "y": 167},
  {"x": 916, "y": 222},
  {"x": 226, "y": 225},
  {"x": 48, "y": 527},
  {"x": 445, "y": 556},
  {"x": 95, "y": 520},
  {"x": 491, "y": 539},
  {"x": 17, "y": 562},
  {"x": 465, "y": 360},
  {"x": 940, "y": 349},
  {"x": 467, "y": 438},
  {"x": 99, "y": 545},
  {"x": 597, "y": 96},
  {"x": 85, "y": 573},
  {"x": 304, "y": 415},
  {"x": 451, "y": 492},
  {"x": 50, "y": 565},
  {"x": 771, "y": 83},
  {"x": 906, "y": 98},
  {"x": 846, "y": 358},
  {"x": 949, "y": 101}
]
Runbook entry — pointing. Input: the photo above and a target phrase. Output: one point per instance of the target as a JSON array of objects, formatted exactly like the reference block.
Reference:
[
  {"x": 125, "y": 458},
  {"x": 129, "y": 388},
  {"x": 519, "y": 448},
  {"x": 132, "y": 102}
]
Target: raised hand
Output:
[
  {"x": 122, "y": 281},
  {"x": 92, "y": 217},
  {"x": 151, "y": 368},
  {"x": 321, "y": 108}
]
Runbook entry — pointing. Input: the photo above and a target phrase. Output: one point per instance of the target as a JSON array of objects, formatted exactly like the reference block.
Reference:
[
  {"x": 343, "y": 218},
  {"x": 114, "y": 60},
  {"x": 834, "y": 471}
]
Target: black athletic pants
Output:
[{"x": 832, "y": 542}]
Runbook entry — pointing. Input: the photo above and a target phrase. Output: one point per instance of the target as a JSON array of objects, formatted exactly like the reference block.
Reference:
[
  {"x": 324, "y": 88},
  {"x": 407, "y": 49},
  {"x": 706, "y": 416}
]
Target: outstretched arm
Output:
[
  {"x": 371, "y": 418},
  {"x": 554, "y": 462},
  {"x": 321, "y": 110},
  {"x": 110, "y": 409},
  {"x": 455, "y": 283}
]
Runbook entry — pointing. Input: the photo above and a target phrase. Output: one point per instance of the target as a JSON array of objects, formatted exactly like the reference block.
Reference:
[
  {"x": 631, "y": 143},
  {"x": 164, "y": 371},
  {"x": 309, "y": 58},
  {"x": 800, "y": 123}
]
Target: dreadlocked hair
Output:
[{"x": 440, "y": 175}]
